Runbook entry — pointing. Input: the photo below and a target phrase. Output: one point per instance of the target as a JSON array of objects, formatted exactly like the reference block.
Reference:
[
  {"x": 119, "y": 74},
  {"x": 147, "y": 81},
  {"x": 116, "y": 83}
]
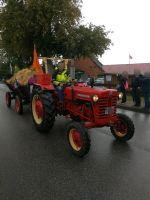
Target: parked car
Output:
[
  {"x": 99, "y": 81},
  {"x": 88, "y": 81}
]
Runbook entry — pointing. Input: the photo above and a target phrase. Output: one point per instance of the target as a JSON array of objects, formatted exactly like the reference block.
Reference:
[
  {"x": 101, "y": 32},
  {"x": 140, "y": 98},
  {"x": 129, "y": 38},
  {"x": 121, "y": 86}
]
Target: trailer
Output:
[{"x": 20, "y": 94}]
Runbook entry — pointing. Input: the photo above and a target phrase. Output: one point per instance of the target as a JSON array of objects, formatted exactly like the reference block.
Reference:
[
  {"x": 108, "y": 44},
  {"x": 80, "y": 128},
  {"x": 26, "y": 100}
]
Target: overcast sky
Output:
[{"x": 129, "y": 21}]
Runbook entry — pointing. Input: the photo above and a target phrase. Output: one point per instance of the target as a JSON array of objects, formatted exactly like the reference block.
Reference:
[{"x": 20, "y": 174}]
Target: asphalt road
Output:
[{"x": 41, "y": 167}]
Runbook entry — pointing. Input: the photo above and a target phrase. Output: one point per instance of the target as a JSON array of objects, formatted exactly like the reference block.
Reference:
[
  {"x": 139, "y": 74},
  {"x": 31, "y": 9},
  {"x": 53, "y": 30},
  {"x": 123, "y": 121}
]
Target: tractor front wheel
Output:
[
  {"x": 43, "y": 111},
  {"x": 78, "y": 139},
  {"x": 18, "y": 105},
  {"x": 8, "y": 99},
  {"x": 123, "y": 129}
]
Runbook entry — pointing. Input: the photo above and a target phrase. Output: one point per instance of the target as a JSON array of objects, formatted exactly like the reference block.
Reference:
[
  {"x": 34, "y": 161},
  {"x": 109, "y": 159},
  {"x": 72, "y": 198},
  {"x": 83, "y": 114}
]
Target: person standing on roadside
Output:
[
  {"x": 136, "y": 88},
  {"x": 146, "y": 90},
  {"x": 122, "y": 87},
  {"x": 92, "y": 82}
]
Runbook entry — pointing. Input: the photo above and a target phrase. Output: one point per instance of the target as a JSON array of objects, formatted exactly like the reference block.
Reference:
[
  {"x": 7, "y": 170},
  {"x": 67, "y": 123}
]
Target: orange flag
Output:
[{"x": 36, "y": 65}]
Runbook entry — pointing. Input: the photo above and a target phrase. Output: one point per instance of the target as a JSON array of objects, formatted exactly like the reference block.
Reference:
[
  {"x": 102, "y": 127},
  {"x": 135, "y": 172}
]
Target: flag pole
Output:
[
  {"x": 129, "y": 63},
  {"x": 130, "y": 57}
]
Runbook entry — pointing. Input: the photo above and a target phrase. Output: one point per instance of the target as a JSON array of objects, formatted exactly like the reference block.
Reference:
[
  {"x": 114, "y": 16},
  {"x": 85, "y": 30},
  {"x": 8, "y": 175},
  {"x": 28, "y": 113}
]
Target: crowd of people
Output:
[{"x": 140, "y": 86}]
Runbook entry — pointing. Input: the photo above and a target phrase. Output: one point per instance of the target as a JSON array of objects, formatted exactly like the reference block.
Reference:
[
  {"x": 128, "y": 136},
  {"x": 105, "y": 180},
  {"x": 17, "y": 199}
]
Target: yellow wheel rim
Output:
[
  {"x": 121, "y": 129},
  {"x": 75, "y": 139},
  {"x": 37, "y": 109}
]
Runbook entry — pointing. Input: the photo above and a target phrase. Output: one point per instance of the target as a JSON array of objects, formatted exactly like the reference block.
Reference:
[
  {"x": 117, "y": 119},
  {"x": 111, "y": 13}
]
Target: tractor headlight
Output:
[
  {"x": 95, "y": 98},
  {"x": 120, "y": 95}
]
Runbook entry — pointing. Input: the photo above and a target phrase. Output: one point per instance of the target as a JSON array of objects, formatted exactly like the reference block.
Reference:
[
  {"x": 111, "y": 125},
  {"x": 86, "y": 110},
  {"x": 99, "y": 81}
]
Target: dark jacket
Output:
[
  {"x": 122, "y": 81},
  {"x": 136, "y": 82},
  {"x": 146, "y": 84}
]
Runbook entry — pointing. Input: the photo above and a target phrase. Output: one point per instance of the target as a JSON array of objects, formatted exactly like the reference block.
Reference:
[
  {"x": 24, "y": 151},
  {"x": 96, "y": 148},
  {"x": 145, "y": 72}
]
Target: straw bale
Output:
[{"x": 22, "y": 76}]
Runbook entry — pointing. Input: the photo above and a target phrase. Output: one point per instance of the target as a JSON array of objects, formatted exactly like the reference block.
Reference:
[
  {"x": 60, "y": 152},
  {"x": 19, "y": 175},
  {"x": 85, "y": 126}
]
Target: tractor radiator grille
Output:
[{"x": 107, "y": 106}]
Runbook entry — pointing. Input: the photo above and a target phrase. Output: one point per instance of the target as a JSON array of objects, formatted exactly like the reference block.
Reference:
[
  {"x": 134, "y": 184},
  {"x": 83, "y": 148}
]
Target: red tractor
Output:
[{"x": 87, "y": 107}]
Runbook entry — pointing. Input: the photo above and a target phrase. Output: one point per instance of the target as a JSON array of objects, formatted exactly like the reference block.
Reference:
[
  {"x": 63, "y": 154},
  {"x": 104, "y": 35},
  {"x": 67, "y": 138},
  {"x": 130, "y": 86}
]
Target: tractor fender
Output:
[{"x": 46, "y": 87}]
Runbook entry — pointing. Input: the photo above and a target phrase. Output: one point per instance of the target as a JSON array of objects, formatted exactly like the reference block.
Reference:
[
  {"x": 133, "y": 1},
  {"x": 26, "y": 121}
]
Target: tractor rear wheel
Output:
[
  {"x": 123, "y": 129},
  {"x": 18, "y": 105},
  {"x": 8, "y": 99},
  {"x": 43, "y": 111},
  {"x": 78, "y": 139}
]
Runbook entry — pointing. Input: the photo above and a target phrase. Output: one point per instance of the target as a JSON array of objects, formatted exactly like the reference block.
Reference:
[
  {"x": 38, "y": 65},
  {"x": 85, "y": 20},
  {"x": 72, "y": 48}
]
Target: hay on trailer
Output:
[{"x": 22, "y": 76}]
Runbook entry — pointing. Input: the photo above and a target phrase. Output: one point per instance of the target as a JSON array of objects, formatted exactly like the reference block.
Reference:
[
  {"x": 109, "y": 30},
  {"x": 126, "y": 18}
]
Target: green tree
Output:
[
  {"x": 88, "y": 41},
  {"x": 53, "y": 25},
  {"x": 5, "y": 70}
]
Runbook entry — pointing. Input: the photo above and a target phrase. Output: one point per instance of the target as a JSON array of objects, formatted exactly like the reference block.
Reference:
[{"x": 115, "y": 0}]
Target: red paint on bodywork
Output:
[{"x": 79, "y": 104}]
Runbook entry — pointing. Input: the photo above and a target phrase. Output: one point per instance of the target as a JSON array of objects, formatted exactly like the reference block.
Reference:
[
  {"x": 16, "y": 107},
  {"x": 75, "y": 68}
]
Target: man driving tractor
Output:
[{"x": 61, "y": 77}]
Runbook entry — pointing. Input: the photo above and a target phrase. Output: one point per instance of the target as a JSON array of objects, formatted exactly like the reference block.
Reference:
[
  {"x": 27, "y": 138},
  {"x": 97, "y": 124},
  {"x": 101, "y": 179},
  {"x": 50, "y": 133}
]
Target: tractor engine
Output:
[{"x": 94, "y": 105}]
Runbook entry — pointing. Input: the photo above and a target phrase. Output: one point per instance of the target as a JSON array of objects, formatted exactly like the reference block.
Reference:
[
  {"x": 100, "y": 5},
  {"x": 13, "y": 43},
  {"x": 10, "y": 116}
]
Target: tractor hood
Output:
[{"x": 86, "y": 93}]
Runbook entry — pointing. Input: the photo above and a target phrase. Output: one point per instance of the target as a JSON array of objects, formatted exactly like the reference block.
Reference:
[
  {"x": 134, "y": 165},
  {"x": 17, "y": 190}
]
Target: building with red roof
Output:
[{"x": 129, "y": 68}]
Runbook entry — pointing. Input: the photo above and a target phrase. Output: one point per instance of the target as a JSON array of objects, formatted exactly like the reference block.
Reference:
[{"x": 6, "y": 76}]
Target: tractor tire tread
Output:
[
  {"x": 49, "y": 112},
  {"x": 85, "y": 137},
  {"x": 130, "y": 129}
]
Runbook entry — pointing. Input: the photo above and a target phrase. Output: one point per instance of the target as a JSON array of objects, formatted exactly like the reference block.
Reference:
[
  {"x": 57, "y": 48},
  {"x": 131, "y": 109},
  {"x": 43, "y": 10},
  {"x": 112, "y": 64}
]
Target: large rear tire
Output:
[
  {"x": 124, "y": 128},
  {"x": 43, "y": 111},
  {"x": 78, "y": 139}
]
